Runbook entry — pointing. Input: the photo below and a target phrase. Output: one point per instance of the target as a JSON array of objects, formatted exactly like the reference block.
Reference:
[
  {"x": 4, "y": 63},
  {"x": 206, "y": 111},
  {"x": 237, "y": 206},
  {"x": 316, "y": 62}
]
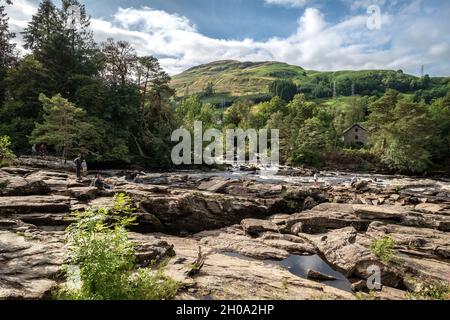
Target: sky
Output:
[{"x": 324, "y": 35}]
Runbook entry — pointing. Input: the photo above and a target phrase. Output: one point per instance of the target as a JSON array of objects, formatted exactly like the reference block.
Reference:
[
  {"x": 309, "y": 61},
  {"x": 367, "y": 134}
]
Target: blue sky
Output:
[{"x": 315, "y": 34}]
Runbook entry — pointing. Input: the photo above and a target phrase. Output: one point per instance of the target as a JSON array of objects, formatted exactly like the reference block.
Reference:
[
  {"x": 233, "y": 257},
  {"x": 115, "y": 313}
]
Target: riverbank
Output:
[{"x": 258, "y": 234}]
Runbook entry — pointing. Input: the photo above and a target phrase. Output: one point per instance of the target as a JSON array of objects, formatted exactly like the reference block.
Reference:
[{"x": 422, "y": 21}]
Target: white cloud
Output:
[
  {"x": 19, "y": 14},
  {"x": 147, "y": 19},
  {"x": 288, "y": 3},
  {"x": 405, "y": 41}
]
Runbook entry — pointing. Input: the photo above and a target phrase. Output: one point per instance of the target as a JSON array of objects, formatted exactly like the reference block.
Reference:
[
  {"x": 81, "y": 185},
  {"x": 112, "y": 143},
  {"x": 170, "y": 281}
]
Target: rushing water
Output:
[{"x": 299, "y": 266}]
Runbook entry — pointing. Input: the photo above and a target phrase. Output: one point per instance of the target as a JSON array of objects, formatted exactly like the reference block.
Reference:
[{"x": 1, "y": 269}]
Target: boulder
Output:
[
  {"x": 182, "y": 210},
  {"x": 316, "y": 275},
  {"x": 376, "y": 212},
  {"x": 214, "y": 185},
  {"x": 155, "y": 179},
  {"x": 15, "y": 185},
  {"x": 83, "y": 193},
  {"x": 349, "y": 252},
  {"x": 325, "y": 216},
  {"x": 255, "y": 226}
]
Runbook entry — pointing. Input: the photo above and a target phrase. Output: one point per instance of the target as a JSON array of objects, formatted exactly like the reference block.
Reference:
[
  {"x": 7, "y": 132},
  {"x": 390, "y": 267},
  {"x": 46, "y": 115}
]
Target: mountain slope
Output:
[{"x": 233, "y": 79}]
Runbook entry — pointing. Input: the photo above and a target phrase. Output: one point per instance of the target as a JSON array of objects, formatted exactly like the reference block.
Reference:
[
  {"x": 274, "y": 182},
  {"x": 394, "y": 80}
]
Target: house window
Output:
[
  {"x": 356, "y": 130},
  {"x": 356, "y": 138}
]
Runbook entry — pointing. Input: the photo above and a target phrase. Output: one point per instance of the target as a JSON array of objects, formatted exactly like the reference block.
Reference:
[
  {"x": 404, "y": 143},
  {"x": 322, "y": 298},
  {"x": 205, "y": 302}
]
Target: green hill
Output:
[
  {"x": 234, "y": 77},
  {"x": 233, "y": 80}
]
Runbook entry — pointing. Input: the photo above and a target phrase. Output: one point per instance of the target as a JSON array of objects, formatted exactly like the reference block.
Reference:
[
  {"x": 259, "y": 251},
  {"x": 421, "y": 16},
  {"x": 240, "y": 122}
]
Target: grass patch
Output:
[
  {"x": 383, "y": 248},
  {"x": 431, "y": 290}
]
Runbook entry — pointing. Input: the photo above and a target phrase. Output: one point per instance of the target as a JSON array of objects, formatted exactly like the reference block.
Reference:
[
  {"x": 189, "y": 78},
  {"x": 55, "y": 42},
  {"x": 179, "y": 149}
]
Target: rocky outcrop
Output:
[
  {"x": 256, "y": 227},
  {"x": 269, "y": 246},
  {"x": 30, "y": 263},
  {"x": 31, "y": 259},
  {"x": 246, "y": 228},
  {"x": 193, "y": 211},
  {"x": 232, "y": 277},
  {"x": 17, "y": 185}
]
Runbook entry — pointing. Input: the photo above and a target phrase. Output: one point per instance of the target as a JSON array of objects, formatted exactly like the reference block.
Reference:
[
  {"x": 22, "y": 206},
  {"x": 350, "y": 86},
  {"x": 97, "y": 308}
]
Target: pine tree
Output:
[
  {"x": 63, "y": 124},
  {"x": 43, "y": 25},
  {"x": 61, "y": 41},
  {"x": 7, "y": 54}
]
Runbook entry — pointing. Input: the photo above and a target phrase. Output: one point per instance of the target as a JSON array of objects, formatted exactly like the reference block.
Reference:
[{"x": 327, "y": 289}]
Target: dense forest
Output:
[
  {"x": 75, "y": 95},
  {"x": 113, "y": 106}
]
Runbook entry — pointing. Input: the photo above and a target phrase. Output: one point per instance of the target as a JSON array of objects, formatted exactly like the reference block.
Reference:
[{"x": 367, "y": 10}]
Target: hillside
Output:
[{"x": 234, "y": 79}]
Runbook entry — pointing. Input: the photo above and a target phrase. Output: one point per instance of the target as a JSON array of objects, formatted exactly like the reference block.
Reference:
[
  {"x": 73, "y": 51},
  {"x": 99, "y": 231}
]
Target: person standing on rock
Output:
[
  {"x": 42, "y": 151},
  {"x": 33, "y": 150},
  {"x": 84, "y": 167},
  {"x": 78, "y": 165}
]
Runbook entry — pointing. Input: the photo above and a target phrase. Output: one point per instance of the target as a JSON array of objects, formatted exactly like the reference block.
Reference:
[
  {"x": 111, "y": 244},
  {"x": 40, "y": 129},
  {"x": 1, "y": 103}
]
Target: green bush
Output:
[
  {"x": 6, "y": 155},
  {"x": 383, "y": 248},
  {"x": 432, "y": 290},
  {"x": 100, "y": 248}
]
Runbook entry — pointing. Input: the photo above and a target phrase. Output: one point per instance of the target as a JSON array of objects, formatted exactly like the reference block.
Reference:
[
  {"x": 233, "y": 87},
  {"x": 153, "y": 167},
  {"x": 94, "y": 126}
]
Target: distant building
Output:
[{"x": 356, "y": 135}]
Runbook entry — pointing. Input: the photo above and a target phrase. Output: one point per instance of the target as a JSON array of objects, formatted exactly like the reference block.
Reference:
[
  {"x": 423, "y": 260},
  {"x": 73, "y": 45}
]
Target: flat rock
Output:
[
  {"x": 316, "y": 275},
  {"x": 83, "y": 193},
  {"x": 429, "y": 241},
  {"x": 234, "y": 278},
  {"x": 214, "y": 185},
  {"x": 256, "y": 227},
  {"x": 34, "y": 204},
  {"x": 379, "y": 212},
  {"x": 28, "y": 268}
]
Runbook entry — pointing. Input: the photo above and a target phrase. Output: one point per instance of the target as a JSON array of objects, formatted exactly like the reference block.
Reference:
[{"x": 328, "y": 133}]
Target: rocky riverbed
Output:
[{"x": 262, "y": 237}]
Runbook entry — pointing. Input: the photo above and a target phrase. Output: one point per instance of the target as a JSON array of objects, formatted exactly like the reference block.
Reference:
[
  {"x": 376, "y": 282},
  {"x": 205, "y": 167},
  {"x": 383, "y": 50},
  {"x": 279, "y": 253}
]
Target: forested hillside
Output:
[
  {"x": 227, "y": 81},
  {"x": 407, "y": 117},
  {"x": 103, "y": 100}
]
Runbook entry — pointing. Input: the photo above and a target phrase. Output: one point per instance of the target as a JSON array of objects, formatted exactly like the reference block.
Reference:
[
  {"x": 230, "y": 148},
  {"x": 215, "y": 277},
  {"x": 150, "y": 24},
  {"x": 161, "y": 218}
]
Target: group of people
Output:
[
  {"x": 42, "y": 149},
  {"x": 82, "y": 171}
]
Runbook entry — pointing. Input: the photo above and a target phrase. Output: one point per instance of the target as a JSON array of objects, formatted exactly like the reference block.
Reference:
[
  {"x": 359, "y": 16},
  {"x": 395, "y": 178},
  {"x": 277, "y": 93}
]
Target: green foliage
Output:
[
  {"x": 402, "y": 132},
  {"x": 192, "y": 109},
  {"x": 432, "y": 290},
  {"x": 284, "y": 89},
  {"x": 6, "y": 155},
  {"x": 383, "y": 248},
  {"x": 63, "y": 124},
  {"x": 100, "y": 247},
  {"x": 372, "y": 295}
]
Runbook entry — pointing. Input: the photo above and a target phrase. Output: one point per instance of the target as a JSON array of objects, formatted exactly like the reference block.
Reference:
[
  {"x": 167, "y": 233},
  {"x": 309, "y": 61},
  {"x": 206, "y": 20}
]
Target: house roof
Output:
[{"x": 353, "y": 126}]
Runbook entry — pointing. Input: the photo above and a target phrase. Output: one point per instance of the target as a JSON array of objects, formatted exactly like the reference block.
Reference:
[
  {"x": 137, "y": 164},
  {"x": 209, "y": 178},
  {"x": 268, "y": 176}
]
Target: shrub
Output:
[
  {"x": 6, "y": 155},
  {"x": 432, "y": 290},
  {"x": 384, "y": 248},
  {"x": 100, "y": 247}
]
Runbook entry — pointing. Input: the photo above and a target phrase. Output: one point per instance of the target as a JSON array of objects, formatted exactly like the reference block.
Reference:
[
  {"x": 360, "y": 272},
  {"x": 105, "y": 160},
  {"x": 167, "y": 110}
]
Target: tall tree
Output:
[
  {"x": 156, "y": 119},
  {"x": 63, "y": 125},
  {"x": 120, "y": 59},
  {"x": 25, "y": 81},
  {"x": 61, "y": 41},
  {"x": 42, "y": 26},
  {"x": 7, "y": 54},
  {"x": 402, "y": 132}
]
